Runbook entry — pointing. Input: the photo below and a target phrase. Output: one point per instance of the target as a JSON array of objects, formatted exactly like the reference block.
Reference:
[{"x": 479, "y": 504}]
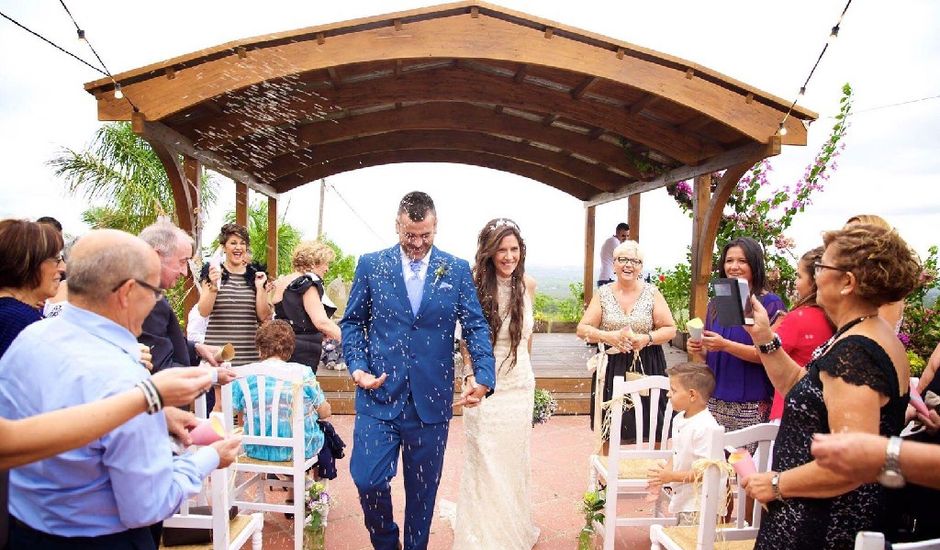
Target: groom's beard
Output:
[{"x": 417, "y": 252}]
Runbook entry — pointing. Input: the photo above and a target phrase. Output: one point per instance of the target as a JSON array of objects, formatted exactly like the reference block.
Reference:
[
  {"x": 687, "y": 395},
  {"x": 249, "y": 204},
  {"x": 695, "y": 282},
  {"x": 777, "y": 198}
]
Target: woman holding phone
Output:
[{"x": 743, "y": 393}]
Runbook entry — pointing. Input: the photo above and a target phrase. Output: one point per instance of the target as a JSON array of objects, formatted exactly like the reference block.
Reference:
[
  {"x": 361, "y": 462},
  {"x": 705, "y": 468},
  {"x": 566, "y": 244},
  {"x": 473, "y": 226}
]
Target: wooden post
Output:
[
  {"x": 272, "y": 237},
  {"x": 698, "y": 295},
  {"x": 633, "y": 216},
  {"x": 320, "y": 216},
  {"x": 192, "y": 169},
  {"x": 588, "y": 254},
  {"x": 241, "y": 204}
]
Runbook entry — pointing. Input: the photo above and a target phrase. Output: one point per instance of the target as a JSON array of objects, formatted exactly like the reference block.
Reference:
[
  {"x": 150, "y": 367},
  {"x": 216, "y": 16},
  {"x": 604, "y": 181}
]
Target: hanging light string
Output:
[
  {"x": 118, "y": 93},
  {"x": 833, "y": 34},
  {"x": 856, "y": 112},
  {"x": 50, "y": 42},
  {"x": 353, "y": 210}
]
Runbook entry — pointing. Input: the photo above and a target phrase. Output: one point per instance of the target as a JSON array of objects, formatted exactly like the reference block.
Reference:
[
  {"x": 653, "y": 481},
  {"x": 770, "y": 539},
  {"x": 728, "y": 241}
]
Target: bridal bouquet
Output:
[
  {"x": 545, "y": 406},
  {"x": 318, "y": 504},
  {"x": 592, "y": 507}
]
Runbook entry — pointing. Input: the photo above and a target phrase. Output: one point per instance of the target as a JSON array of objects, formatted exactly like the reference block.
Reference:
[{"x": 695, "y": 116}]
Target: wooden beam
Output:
[
  {"x": 155, "y": 132},
  {"x": 593, "y": 177},
  {"x": 451, "y": 116},
  {"x": 334, "y": 77},
  {"x": 520, "y": 74},
  {"x": 589, "y": 233},
  {"x": 562, "y": 182},
  {"x": 633, "y": 216},
  {"x": 701, "y": 265},
  {"x": 747, "y": 153},
  {"x": 272, "y": 238},
  {"x": 193, "y": 172},
  {"x": 578, "y": 91},
  {"x": 456, "y": 85},
  {"x": 241, "y": 204},
  {"x": 643, "y": 104}
]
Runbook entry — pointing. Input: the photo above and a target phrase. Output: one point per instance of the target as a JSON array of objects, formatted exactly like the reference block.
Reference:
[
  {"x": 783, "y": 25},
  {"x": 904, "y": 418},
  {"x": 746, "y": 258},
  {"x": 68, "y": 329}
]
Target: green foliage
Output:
[
  {"x": 544, "y": 407},
  {"x": 920, "y": 329},
  {"x": 569, "y": 309},
  {"x": 758, "y": 210},
  {"x": 592, "y": 508},
  {"x": 917, "y": 363},
  {"x": 120, "y": 171},
  {"x": 343, "y": 266},
  {"x": 288, "y": 237},
  {"x": 675, "y": 285}
]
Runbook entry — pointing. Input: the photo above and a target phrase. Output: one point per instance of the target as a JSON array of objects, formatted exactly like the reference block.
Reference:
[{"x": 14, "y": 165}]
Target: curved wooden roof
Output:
[{"x": 467, "y": 82}]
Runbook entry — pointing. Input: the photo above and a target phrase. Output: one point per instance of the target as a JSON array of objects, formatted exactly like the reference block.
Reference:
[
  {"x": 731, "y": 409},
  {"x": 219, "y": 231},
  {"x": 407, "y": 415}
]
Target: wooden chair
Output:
[
  {"x": 738, "y": 535},
  {"x": 870, "y": 540},
  {"x": 286, "y": 377},
  {"x": 624, "y": 471}
]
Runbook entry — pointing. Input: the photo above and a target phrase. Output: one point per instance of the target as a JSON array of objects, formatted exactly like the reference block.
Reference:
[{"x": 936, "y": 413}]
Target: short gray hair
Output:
[
  {"x": 94, "y": 275},
  {"x": 629, "y": 246},
  {"x": 163, "y": 236}
]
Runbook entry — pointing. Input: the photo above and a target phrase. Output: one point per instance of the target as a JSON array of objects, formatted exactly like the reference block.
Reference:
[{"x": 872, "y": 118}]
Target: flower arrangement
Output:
[
  {"x": 545, "y": 406},
  {"x": 592, "y": 507},
  {"x": 318, "y": 504},
  {"x": 440, "y": 272}
]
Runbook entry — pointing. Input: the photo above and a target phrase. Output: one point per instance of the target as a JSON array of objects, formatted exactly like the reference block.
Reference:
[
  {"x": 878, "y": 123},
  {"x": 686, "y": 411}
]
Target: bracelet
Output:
[
  {"x": 154, "y": 400},
  {"x": 775, "y": 486},
  {"x": 650, "y": 335}
]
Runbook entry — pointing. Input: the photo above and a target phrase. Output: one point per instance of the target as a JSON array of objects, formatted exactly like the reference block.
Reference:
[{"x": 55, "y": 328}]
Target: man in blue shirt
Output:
[{"x": 105, "y": 494}]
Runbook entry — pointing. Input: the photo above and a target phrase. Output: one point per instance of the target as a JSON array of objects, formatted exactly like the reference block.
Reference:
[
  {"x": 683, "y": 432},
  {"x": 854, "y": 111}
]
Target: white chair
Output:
[
  {"x": 738, "y": 534},
  {"x": 286, "y": 377},
  {"x": 624, "y": 471},
  {"x": 226, "y": 534},
  {"x": 870, "y": 540}
]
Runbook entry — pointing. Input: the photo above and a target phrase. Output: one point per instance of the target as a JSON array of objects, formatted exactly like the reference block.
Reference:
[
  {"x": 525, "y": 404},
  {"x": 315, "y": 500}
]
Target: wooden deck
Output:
[{"x": 558, "y": 360}]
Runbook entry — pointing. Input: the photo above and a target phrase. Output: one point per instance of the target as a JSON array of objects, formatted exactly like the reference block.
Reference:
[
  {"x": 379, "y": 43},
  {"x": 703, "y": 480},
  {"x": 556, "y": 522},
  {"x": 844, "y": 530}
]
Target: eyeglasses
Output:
[
  {"x": 157, "y": 292},
  {"x": 817, "y": 267},
  {"x": 58, "y": 258},
  {"x": 632, "y": 261}
]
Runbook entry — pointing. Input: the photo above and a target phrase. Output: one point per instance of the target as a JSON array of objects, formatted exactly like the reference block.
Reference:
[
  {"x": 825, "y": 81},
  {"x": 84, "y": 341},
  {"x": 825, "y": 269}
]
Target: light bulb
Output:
[
  {"x": 81, "y": 36},
  {"x": 834, "y": 34},
  {"x": 802, "y": 91},
  {"x": 118, "y": 94},
  {"x": 782, "y": 130}
]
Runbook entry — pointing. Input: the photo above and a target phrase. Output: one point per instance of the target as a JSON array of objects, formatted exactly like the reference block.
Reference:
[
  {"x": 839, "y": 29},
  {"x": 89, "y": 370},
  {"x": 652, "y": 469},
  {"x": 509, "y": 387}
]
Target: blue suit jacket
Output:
[{"x": 381, "y": 335}]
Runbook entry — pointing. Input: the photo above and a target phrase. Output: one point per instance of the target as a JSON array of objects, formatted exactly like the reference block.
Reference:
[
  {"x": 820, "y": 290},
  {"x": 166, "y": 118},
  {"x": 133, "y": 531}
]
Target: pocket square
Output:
[{"x": 445, "y": 286}]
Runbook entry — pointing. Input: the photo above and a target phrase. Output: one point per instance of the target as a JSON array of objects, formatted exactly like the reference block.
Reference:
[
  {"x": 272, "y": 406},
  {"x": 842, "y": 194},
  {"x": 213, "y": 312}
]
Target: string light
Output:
[
  {"x": 118, "y": 94},
  {"x": 81, "y": 35},
  {"x": 781, "y": 129},
  {"x": 50, "y": 42}
]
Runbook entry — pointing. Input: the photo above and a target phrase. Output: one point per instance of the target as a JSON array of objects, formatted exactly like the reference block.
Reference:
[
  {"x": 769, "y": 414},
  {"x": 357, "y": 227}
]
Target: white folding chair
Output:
[
  {"x": 731, "y": 536},
  {"x": 289, "y": 378},
  {"x": 871, "y": 540},
  {"x": 624, "y": 470}
]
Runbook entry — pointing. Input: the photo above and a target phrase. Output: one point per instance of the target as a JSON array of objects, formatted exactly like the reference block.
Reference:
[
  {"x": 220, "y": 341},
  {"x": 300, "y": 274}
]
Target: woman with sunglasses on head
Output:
[
  {"x": 857, "y": 382},
  {"x": 743, "y": 393},
  {"x": 631, "y": 317}
]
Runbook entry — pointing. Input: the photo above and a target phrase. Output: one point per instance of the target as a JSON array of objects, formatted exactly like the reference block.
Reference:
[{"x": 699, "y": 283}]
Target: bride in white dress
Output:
[{"x": 494, "y": 510}]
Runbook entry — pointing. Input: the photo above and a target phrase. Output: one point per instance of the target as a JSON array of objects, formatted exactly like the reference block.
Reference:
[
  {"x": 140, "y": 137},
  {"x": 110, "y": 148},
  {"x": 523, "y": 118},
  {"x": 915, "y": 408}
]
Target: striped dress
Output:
[{"x": 234, "y": 320}]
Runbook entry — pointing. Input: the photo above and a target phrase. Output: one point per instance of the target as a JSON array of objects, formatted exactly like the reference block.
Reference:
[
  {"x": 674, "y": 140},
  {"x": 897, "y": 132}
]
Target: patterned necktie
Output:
[{"x": 415, "y": 286}]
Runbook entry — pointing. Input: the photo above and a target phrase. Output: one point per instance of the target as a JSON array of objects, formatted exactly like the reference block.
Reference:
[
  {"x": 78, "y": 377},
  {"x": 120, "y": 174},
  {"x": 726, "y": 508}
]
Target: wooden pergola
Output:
[{"x": 468, "y": 82}]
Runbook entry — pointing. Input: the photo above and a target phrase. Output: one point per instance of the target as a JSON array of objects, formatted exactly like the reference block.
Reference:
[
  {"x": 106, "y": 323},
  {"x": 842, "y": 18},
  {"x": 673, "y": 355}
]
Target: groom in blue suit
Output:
[{"x": 398, "y": 342}]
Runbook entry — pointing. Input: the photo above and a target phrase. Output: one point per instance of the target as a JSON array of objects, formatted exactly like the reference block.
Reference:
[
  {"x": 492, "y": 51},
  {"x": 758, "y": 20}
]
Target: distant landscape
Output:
[{"x": 553, "y": 280}]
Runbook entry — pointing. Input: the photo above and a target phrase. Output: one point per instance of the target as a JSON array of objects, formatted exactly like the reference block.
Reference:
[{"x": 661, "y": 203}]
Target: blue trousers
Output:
[{"x": 374, "y": 462}]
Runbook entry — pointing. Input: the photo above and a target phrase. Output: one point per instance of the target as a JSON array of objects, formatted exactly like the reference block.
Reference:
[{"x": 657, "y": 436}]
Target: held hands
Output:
[
  {"x": 472, "y": 394},
  {"x": 711, "y": 341},
  {"x": 181, "y": 385},
  {"x": 368, "y": 381},
  {"x": 228, "y": 450},
  {"x": 757, "y": 486}
]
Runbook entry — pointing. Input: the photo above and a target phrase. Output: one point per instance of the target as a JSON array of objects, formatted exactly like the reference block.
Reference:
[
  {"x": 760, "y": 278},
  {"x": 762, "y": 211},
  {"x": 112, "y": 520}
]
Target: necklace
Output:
[{"x": 821, "y": 350}]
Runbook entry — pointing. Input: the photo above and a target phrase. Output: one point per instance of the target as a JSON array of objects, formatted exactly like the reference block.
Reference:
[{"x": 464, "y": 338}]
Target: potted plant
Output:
[
  {"x": 318, "y": 504},
  {"x": 545, "y": 406}
]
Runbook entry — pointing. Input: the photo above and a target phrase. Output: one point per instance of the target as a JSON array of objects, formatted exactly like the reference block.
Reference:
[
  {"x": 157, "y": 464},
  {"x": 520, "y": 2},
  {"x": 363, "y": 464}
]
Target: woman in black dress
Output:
[
  {"x": 857, "y": 382},
  {"x": 299, "y": 299}
]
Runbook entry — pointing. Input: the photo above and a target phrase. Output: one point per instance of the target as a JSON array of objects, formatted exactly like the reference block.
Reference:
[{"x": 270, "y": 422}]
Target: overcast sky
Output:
[{"x": 888, "y": 51}]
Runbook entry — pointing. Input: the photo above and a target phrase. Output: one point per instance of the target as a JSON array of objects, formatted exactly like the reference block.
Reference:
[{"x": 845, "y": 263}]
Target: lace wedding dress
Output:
[{"x": 494, "y": 510}]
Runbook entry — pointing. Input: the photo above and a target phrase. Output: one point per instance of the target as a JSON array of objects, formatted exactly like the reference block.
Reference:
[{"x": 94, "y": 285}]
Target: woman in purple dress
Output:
[{"x": 743, "y": 393}]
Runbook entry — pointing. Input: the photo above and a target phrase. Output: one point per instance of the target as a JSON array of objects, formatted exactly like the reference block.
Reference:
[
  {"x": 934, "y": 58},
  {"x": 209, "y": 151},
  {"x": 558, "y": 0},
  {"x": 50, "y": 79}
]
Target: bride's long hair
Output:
[{"x": 484, "y": 277}]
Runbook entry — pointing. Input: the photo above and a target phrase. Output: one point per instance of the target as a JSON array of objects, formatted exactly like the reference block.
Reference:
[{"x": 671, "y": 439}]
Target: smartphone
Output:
[{"x": 733, "y": 302}]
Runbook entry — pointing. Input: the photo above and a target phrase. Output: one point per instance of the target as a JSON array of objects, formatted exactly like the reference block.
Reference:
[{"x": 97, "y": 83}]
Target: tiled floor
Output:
[{"x": 560, "y": 450}]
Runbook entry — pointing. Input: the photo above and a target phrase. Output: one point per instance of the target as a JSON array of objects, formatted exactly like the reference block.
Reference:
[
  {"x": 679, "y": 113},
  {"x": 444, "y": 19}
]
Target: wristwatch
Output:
[
  {"x": 890, "y": 475},
  {"x": 775, "y": 486},
  {"x": 771, "y": 346}
]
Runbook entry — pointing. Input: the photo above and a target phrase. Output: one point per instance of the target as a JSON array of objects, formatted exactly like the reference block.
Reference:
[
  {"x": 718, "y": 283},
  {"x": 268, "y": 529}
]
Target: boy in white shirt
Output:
[{"x": 691, "y": 384}]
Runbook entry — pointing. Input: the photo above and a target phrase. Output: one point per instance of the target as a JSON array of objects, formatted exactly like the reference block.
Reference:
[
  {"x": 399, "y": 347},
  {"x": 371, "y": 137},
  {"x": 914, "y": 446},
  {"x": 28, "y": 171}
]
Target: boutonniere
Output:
[{"x": 440, "y": 272}]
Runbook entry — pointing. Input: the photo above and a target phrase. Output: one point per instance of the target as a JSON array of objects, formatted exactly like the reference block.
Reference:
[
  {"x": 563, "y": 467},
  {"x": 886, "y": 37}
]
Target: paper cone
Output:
[
  {"x": 743, "y": 463},
  {"x": 695, "y": 327},
  {"x": 227, "y": 353},
  {"x": 208, "y": 431}
]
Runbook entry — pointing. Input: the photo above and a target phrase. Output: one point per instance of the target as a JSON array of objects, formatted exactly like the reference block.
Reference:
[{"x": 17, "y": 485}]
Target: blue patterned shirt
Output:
[{"x": 313, "y": 398}]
